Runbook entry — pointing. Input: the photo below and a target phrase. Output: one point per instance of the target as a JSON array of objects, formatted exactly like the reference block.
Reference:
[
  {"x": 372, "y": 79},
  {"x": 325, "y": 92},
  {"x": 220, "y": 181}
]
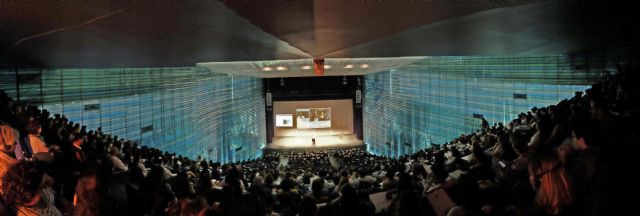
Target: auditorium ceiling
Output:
[
  {"x": 239, "y": 35},
  {"x": 305, "y": 67}
]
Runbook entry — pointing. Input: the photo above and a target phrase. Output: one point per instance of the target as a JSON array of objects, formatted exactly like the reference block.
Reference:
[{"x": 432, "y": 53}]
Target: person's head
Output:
[
  {"x": 308, "y": 206},
  {"x": 582, "y": 133},
  {"x": 419, "y": 171},
  {"x": 113, "y": 151},
  {"x": 23, "y": 183},
  {"x": 478, "y": 154},
  {"x": 287, "y": 184},
  {"x": 519, "y": 142},
  {"x": 193, "y": 207},
  {"x": 439, "y": 157},
  {"x": 157, "y": 160},
  {"x": 390, "y": 174},
  {"x": 288, "y": 175},
  {"x": 258, "y": 181},
  {"x": 87, "y": 195},
  {"x": 78, "y": 140},
  {"x": 34, "y": 128},
  {"x": 344, "y": 173},
  {"x": 348, "y": 194},
  {"x": 455, "y": 153},
  {"x": 203, "y": 164},
  {"x": 506, "y": 150},
  {"x": 405, "y": 181},
  {"x": 156, "y": 176},
  {"x": 268, "y": 179},
  {"x": 9, "y": 137},
  {"x": 362, "y": 172},
  {"x": 322, "y": 173},
  {"x": 306, "y": 179},
  {"x": 317, "y": 186}
]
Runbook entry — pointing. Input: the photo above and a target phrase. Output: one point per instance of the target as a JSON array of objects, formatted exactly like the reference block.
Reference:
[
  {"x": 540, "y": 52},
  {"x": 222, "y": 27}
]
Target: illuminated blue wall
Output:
[
  {"x": 434, "y": 100},
  {"x": 189, "y": 111}
]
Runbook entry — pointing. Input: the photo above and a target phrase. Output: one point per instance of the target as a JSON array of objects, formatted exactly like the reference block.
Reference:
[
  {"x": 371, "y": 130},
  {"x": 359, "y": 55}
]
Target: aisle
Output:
[{"x": 284, "y": 160}]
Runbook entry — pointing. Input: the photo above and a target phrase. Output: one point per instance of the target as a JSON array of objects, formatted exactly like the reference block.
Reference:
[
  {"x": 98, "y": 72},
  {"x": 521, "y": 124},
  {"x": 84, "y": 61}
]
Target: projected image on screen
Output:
[
  {"x": 313, "y": 118},
  {"x": 284, "y": 120}
]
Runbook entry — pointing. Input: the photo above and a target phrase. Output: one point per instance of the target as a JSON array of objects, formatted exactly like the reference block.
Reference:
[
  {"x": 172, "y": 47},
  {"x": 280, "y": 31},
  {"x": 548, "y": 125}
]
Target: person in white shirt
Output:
[
  {"x": 166, "y": 172},
  {"x": 139, "y": 162},
  {"x": 363, "y": 177},
  {"x": 118, "y": 165},
  {"x": 28, "y": 188}
]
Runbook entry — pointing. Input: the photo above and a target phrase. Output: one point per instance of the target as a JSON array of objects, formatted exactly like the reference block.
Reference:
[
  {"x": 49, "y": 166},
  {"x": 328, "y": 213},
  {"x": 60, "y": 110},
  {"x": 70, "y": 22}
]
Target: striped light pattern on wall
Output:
[
  {"x": 437, "y": 99},
  {"x": 189, "y": 111}
]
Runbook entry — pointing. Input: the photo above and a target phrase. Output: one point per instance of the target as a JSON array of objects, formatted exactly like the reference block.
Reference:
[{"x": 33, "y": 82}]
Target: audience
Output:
[{"x": 552, "y": 160}]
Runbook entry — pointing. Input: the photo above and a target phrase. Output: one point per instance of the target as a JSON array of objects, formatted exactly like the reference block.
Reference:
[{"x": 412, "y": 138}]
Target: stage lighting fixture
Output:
[
  {"x": 319, "y": 66},
  {"x": 281, "y": 68},
  {"x": 349, "y": 66},
  {"x": 364, "y": 66},
  {"x": 267, "y": 69},
  {"x": 281, "y": 81},
  {"x": 306, "y": 67},
  {"x": 344, "y": 80}
]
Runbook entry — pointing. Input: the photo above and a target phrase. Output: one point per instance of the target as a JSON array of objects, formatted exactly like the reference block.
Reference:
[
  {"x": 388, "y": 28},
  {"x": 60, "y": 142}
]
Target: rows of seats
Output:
[{"x": 571, "y": 158}]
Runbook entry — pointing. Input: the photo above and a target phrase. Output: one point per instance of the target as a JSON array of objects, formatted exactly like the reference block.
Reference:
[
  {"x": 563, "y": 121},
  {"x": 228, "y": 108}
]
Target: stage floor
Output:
[{"x": 322, "y": 142}]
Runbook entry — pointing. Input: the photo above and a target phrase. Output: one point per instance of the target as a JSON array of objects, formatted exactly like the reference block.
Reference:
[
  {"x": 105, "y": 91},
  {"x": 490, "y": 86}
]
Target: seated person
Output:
[{"x": 28, "y": 188}]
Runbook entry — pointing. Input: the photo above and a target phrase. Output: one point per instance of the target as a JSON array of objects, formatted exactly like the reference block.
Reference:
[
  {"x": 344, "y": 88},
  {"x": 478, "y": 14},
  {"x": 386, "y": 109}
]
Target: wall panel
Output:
[
  {"x": 189, "y": 111},
  {"x": 434, "y": 100}
]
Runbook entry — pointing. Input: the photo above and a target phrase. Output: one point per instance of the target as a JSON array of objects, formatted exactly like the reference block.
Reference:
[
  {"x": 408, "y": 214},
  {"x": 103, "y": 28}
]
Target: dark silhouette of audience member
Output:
[{"x": 27, "y": 187}]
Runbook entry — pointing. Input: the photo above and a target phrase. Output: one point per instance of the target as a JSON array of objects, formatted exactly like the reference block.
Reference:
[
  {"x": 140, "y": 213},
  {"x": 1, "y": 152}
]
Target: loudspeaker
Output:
[
  {"x": 358, "y": 96},
  {"x": 268, "y": 99}
]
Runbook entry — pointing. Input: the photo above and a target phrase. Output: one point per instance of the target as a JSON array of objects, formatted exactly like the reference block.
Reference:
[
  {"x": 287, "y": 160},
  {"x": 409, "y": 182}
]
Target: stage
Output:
[{"x": 304, "y": 143}]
